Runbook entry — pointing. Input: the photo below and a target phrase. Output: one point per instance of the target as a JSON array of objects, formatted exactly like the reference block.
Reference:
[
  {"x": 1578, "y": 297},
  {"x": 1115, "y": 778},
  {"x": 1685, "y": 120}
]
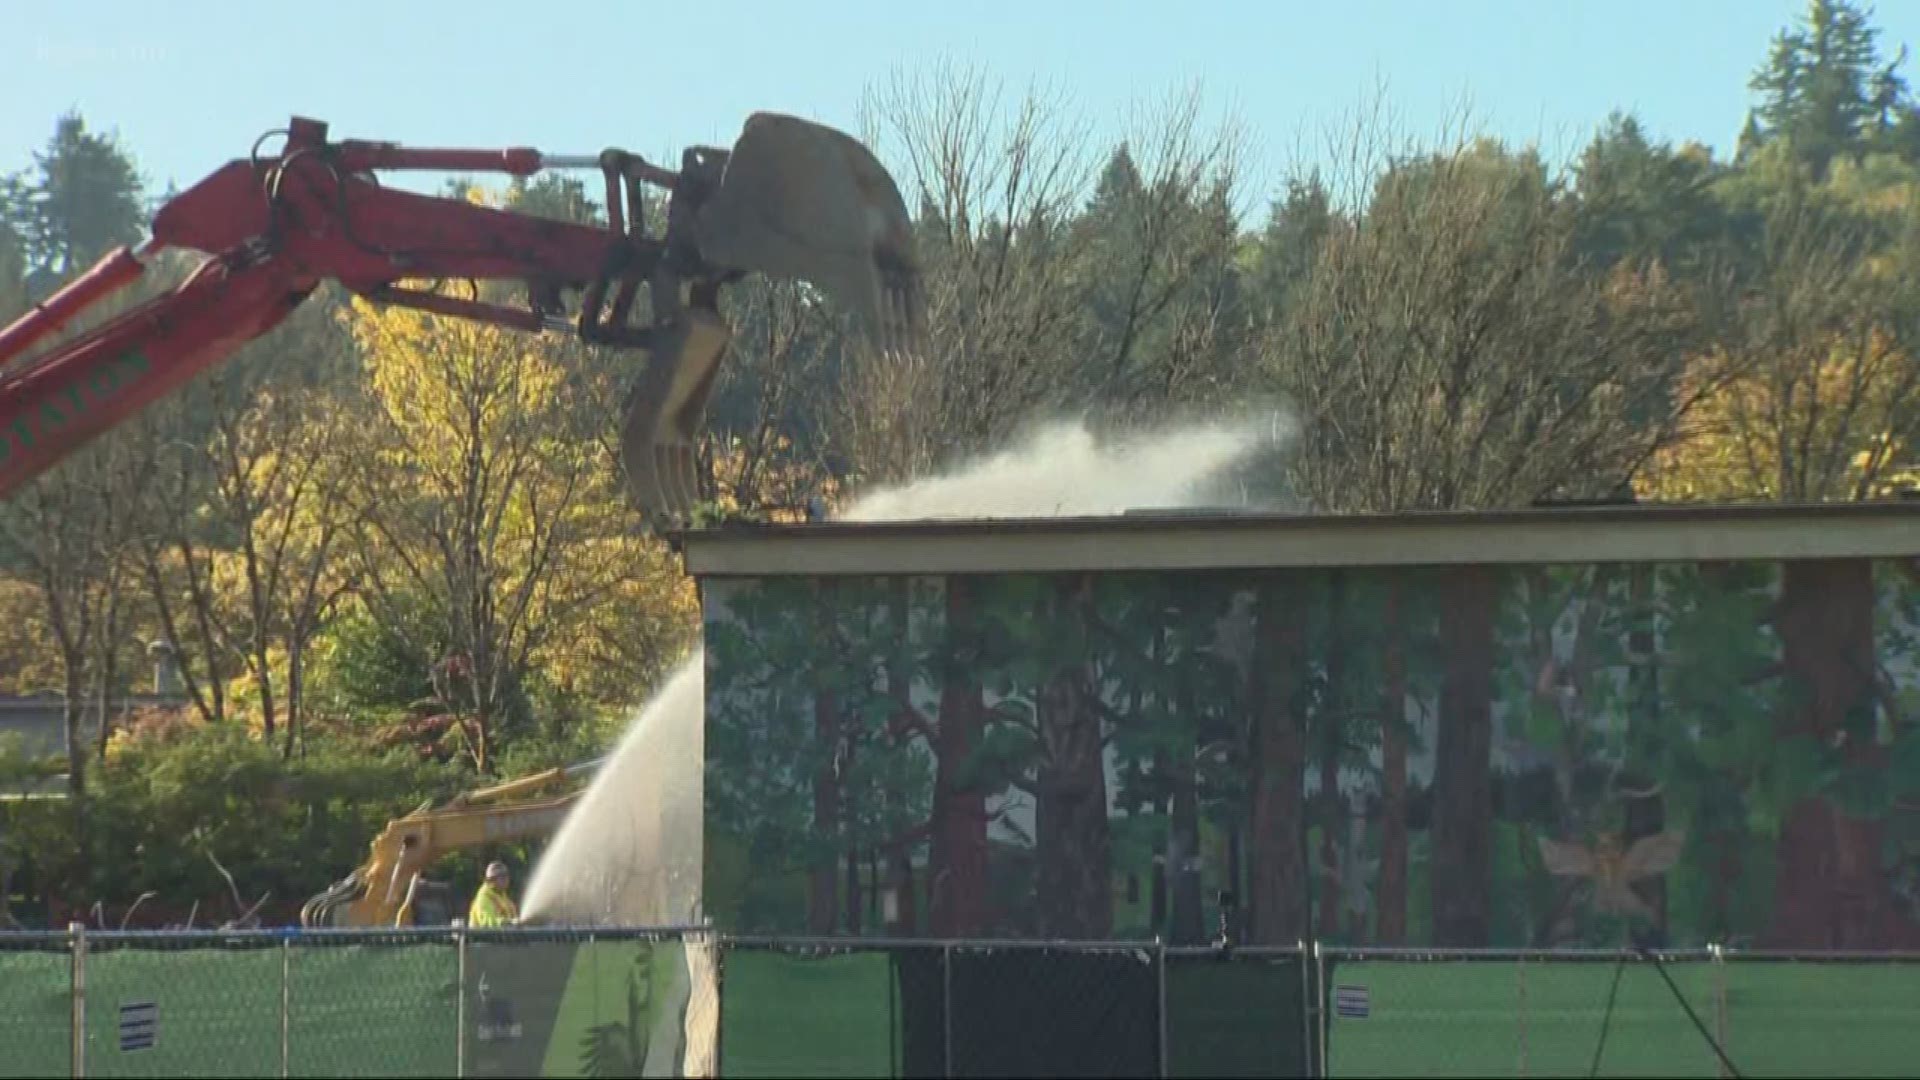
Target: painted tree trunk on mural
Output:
[
  {"x": 1159, "y": 884},
  {"x": 855, "y": 896},
  {"x": 1186, "y": 927},
  {"x": 1727, "y": 835},
  {"x": 1391, "y": 897},
  {"x": 1463, "y": 771},
  {"x": 1074, "y": 849},
  {"x": 1333, "y": 810},
  {"x": 1277, "y": 885},
  {"x": 823, "y": 910},
  {"x": 958, "y": 881},
  {"x": 822, "y": 892},
  {"x": 898, "y": 855},
  {"x": 1830, "y": 890},
  {"x": 1646, "y": 810},
  {"x": 849, "y": 828}
]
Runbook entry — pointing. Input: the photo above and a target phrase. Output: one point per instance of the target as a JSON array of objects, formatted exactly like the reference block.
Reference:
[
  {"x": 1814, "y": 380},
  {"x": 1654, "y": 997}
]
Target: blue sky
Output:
[{"x": 190, "y": 85}]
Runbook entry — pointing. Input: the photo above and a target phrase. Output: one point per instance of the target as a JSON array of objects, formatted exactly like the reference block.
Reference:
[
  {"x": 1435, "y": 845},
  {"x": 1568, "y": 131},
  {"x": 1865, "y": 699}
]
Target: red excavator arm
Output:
[{"x": 275, "y": 228}]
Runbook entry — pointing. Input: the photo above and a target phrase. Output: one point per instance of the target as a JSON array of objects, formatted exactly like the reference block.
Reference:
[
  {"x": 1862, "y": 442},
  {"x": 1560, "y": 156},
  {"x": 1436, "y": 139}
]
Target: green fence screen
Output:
[
  {"x": 566, "y": 1003},
  {"x": 373, "y": 1009},
  {"x": 1846, "y": 1018},
  {"x": 1517, "y": 1018},
  {"x": 36, "y": 1003},
  {"x": 1236, "y": 1015},
  {"x": 210, "y": 1011},
  {"x": 793, "y": 1014}
]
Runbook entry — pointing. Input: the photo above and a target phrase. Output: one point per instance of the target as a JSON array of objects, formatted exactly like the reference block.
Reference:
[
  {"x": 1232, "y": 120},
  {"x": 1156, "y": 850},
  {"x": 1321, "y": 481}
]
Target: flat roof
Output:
[{"x": 1219, "y": 540}]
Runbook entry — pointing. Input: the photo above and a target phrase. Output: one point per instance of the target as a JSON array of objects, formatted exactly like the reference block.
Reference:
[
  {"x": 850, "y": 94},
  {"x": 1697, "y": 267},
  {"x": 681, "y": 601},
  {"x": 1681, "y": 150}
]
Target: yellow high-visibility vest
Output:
[{"x": 491, "y": 907}]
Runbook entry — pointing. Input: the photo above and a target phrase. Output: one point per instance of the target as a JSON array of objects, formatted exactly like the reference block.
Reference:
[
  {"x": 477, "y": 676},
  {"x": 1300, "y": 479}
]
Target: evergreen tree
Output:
[
  {"x": 1826, "y": 91},
  {"x": 1158, "y": 275},
  {"x": 84, "y": 199},
  {"x": 13, "y": 263},
  {"x": 1642, "y": 200},
  {"x": 1285, "y": 251}
]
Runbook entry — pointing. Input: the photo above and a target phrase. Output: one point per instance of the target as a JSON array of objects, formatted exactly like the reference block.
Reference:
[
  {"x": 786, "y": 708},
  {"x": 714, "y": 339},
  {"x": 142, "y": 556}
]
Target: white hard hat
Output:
[{"x": 496, "y": 869}]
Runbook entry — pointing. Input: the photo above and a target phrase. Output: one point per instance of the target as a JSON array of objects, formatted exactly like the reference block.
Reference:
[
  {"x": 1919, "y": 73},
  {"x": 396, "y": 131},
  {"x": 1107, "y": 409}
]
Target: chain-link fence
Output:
[{"x": 576, "y": 1002}]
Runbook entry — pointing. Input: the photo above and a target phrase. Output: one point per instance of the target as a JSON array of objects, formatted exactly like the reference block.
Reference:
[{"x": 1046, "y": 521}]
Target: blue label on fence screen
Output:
[
  {"x": 1352, "y": 1002},
  {"x": 139, "y": 1025}
]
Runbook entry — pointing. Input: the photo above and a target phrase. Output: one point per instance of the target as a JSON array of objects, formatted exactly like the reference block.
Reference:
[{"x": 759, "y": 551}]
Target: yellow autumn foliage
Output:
[
  {"x": 488, "y": 473},
  {"x": 31, "y": 662},
  {"x": 1837, "y": 424}
]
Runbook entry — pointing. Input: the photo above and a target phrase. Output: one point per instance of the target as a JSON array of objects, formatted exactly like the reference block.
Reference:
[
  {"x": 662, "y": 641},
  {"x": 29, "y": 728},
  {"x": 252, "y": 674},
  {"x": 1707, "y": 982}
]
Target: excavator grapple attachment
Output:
[
  {"x": 792, "y": 200},
  {"x": 660, "y": 440}
]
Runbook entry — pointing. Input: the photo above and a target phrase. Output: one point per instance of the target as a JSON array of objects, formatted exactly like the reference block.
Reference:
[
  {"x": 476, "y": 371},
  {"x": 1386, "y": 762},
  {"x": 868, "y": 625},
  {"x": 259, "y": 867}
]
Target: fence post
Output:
[
  {"x": 1306, "y": 1011},
  {"x": 1719, "y": 1002},
  {"x": 1163, "y": 1005},
  {"x": 460, "y": 997},
  {"x": 1520, "y": 978},
  {"x": 946, "y": 1008},
  {"x": 286, "y": 1005},
  {"x": 720, "y": 1002},
  {"x": 78, "y": 1019},
  {"x": 1323, "y": 1025}
]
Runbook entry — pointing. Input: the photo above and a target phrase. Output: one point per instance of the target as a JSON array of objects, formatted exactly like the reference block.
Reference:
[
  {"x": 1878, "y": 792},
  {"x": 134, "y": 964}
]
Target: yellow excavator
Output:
[{"x": 391, "y": 889}]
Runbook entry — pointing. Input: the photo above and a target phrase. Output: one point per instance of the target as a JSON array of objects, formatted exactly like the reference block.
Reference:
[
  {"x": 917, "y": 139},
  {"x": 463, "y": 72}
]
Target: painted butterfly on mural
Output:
[{"x": 1613, "y": 868}]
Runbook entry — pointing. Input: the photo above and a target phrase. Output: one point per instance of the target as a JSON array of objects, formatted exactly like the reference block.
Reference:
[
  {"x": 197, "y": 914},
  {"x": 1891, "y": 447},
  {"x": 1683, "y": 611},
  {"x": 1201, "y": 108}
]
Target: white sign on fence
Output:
[
  {"x": 139, "y": 1025},
  {"x": 1352, "y": 1002}
]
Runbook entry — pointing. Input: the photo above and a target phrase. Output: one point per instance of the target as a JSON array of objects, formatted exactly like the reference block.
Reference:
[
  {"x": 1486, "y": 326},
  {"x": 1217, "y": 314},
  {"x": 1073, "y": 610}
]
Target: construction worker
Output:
[{"x": 491, "y": 905}]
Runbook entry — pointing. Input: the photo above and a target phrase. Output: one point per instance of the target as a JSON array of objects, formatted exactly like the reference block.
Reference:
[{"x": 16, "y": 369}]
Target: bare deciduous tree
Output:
[
  {"x": 67, "y": 533},
  {"x": 765, "y": 450},
  {"x": 1814, "y": 385},
  {"x": 1161, "y": 283},
  {"x": 492, "y": 505},
  {"x": 243, "y": 538},
  {"x": 1449, "y": 352},
  {"x": 995, "y": 199}
]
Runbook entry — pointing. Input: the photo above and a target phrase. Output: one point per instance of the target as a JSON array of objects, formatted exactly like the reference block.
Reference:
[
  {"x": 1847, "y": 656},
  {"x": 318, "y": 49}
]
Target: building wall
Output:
[
  {"x": 35, "y": 725},
  {"x": 1510, "y": 756}
]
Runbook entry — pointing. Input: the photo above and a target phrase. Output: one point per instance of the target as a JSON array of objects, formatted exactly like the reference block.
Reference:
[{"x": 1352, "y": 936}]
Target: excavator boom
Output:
[
  {"x": 792, "y": 199},
  {"x": 377, "y": 891}
]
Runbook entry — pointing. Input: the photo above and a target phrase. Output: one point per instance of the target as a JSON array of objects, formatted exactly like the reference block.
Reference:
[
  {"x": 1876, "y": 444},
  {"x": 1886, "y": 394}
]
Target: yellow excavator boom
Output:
[{"x": 378, "y": 891}]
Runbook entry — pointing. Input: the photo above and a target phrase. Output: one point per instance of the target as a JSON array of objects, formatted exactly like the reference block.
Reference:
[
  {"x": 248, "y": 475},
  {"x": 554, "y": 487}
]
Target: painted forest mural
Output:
[{"x": 1513, "y": 756}]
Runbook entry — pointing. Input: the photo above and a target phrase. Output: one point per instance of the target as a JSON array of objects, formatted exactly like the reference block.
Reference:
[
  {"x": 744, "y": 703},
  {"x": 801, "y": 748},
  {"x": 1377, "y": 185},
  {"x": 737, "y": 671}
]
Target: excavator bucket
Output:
[
  {"x": 795, "y": 200},
  {"x": 799, "y": 200}
]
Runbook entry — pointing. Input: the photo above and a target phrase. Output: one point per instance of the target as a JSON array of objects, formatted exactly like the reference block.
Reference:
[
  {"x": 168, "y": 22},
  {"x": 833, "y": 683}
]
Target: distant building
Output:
[{"x": 38, "y": 721}]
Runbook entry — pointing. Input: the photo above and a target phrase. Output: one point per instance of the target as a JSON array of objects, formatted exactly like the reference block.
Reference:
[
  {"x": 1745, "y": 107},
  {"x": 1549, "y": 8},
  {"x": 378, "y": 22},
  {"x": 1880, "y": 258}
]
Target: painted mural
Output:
[{"x": 1551, "y": 756}]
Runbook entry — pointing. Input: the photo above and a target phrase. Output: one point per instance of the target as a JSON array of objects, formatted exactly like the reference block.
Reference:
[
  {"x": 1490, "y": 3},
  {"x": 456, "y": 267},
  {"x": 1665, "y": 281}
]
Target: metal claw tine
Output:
[
  {"x": 676, "y": 485},
  {"x": 689, "y": 474}
]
